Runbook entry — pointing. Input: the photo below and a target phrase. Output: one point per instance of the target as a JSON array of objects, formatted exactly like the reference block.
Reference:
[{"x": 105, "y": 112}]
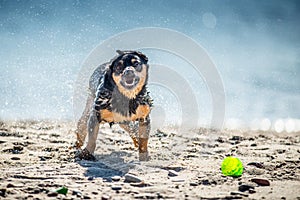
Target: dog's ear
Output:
[
  {"x": 114, "y": 59},
  {"x": 120, "y": 52},
  {"x": 143, "y": 56}
]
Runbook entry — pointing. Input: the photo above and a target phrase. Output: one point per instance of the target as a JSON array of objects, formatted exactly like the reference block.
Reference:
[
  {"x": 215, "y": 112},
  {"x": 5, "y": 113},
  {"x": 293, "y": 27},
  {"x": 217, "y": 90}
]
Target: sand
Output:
[{"x": 36, "y": 160}]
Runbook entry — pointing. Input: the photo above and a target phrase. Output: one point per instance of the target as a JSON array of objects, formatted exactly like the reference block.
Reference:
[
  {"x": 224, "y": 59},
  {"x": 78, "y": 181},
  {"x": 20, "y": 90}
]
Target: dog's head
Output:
[{"x": 129, "y": 72}]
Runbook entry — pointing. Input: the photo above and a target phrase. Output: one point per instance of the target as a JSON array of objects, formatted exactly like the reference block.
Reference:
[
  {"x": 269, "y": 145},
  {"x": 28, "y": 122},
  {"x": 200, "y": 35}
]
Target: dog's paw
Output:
[
  {"x": 78, "y": 144},
  {"x": 75, "y": 145},
  {"x": 85, "y": 155},
  {"x": 144, "y": 156}
]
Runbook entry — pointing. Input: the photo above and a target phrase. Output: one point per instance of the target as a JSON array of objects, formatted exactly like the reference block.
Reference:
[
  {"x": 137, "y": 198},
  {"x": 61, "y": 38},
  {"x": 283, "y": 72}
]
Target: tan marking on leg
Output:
[
  {"x": 144, "y": 130},
  {"x": 132, "y": 131},
  {"x": 142, "y": 111},
  {"x": 135, "y": 142},
  {"x": 143, "y": 145}
]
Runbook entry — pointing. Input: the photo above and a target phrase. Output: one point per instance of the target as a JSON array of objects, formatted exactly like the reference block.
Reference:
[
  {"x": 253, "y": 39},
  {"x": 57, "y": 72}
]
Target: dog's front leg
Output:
[
  {"x": 82, "y": 128},
  {"x": 144, "y": 131},
  {"x": 93, "y": 128},
  {"x": 132, "y": 131}
]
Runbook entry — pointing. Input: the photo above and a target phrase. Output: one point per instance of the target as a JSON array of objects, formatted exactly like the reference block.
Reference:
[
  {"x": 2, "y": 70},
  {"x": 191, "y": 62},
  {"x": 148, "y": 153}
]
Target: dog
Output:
[{"x": 118, "y": 94}]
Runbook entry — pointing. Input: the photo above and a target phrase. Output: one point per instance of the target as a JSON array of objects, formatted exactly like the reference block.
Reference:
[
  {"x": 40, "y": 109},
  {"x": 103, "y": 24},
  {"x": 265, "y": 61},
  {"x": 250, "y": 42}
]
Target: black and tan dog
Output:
[{"x": 118, "y": 94}]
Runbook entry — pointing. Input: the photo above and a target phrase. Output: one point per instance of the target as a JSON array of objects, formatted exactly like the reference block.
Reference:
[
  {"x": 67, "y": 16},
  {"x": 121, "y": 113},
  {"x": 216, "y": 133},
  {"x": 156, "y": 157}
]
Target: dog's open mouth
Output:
[{"x": 129, "y": 81}]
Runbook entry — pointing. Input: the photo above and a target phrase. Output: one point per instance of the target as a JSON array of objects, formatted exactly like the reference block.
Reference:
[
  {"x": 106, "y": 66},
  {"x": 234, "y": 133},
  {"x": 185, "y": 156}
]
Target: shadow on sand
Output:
[{"x": 107, "y": 166}]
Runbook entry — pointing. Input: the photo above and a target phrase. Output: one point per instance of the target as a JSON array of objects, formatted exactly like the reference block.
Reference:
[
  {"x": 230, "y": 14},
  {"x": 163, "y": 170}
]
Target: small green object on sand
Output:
[
  {"x": 62, "y": 190},
  {"x": 232, "y": 166}
]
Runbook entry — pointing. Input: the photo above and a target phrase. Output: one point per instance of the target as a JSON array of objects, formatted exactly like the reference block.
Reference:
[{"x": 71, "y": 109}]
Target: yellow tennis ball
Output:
[{"x": 232, "y": 166}]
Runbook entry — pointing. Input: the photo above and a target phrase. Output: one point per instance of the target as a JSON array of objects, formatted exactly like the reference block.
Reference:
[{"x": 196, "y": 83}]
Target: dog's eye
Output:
[
  {"x": 137, "y": 64},
  {"x": 118, "y": 67}
]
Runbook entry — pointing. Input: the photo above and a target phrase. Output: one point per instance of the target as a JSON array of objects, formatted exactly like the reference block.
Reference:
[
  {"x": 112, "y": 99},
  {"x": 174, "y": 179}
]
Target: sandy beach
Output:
[{"x": 36, "y": 160}]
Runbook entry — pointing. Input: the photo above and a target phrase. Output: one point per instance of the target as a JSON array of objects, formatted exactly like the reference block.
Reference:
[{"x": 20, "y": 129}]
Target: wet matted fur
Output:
[{"x": 118, "y": 94}]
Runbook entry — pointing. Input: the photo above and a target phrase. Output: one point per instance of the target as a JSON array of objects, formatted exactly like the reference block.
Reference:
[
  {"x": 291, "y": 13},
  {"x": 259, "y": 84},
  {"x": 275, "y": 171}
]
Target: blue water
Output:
[{"x": 255, "y": 46}]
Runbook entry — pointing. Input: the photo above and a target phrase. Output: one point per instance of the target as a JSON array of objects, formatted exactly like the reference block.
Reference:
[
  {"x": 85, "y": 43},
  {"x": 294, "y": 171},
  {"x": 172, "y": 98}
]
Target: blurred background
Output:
[{"x": 255, "y": 46}]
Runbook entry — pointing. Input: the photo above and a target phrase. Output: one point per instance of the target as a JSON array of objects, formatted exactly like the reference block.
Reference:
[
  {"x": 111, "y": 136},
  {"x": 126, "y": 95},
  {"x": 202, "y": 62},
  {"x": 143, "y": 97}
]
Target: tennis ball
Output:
[{"x": 232, "y": 166}]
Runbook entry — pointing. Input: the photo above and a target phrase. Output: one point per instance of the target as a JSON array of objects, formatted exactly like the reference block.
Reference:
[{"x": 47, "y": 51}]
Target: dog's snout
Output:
[{"x": 129, "y": 72}]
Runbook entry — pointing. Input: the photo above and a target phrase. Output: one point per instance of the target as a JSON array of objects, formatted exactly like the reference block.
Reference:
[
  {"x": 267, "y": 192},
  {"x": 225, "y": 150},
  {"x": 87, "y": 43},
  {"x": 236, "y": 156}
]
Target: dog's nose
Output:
[
  {"x": 129, "y": 72},
  {"x": 129, "y": 68}
]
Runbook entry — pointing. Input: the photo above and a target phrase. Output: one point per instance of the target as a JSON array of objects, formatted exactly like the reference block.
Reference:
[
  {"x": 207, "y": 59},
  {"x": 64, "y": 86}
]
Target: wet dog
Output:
[{"x": 118, "y": 94}]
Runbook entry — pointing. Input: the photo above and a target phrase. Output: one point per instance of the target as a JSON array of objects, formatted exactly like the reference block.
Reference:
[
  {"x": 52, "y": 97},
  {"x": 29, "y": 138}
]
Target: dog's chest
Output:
[
  {"x": 141, "y": 112},
  {"x": 116, "y": 108}
]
